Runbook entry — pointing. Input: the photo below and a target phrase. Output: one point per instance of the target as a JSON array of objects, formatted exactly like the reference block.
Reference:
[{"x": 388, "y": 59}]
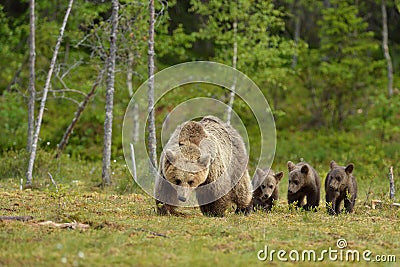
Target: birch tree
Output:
[
  {"x": 385, "y": 47},
  {"x": 233, "y": 87},
  {"x": 106, "y": 176},
  {"x": 31, "y": 86},
  {"x": 152, "y": 142},
  {"x": 44, "y": 97}
]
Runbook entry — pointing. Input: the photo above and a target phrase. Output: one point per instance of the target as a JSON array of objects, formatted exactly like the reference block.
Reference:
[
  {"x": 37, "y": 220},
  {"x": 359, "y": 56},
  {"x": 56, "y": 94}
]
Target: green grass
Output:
[{"x": 125, "y": 230}]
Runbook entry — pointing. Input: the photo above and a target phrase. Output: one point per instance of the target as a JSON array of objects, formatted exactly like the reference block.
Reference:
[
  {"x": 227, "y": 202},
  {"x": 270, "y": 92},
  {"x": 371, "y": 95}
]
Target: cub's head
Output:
[
  {"x": 186, "y": 169},
  {"x": 268, "y": 181},
  {"x": 339, "y": 176},
  {"x": 297, "y": 176}
]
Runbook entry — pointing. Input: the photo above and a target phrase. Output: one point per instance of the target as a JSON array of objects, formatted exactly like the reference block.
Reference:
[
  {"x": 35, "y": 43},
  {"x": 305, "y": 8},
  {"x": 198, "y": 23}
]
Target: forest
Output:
[{"x": 329, "y": 70}]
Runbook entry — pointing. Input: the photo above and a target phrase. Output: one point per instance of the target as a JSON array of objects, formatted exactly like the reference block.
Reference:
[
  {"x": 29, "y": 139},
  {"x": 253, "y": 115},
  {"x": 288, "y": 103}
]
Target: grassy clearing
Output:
[{"x": 124, "y": 230}]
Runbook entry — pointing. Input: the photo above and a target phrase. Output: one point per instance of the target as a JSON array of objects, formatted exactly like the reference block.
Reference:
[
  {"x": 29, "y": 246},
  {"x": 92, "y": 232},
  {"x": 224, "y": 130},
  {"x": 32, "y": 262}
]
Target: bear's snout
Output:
[{"x": 333, "y": 187}]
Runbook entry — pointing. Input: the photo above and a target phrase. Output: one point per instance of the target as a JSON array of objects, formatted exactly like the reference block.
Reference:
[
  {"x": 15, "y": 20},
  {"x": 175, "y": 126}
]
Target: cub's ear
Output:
[
  {"x": 333, "y": 164},
  {"x": 204, "y": 160},
  {"x": 260, "y": 172},
  {"x": 349, "y": 168},
  {"x": 290, "y": 166},
  {"x": 171, "y": 157},
  {"x": 304, "y": 169},
  {"x": 278, "y": 176}
]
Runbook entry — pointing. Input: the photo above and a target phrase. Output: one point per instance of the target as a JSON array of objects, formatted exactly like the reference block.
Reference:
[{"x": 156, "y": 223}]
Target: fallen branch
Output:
[
  {"x": 16, "y": 218},
  {"x": 376, "y": 204},
  {"x": 73, "y": 225},
  {"x": 150, "y": 232}
]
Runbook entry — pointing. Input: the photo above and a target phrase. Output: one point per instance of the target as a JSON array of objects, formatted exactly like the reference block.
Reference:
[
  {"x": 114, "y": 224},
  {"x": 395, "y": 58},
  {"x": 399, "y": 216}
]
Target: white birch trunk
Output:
[
  {"x": 31, "y": 87},
  {"x": 233, "y": 87},
  {"x": 44, "y": 98},
  {"x": 152, "y": 142},
  {"x": 106, "y": 175},
  {"x": 385, "y": 47}
]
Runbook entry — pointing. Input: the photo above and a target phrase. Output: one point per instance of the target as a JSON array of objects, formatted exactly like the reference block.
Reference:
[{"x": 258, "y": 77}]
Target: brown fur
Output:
[
  {"x": 340, "y": 185},
  {"x": 267, "y": 193},
  {"x": 207, "y": 157},
  {"x": 304, "y": 181}
]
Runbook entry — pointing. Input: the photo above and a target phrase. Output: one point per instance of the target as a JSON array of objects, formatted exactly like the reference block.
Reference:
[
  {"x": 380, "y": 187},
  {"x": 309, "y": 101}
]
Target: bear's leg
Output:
[
  {"x": 349, "y": 205},
  {"x": 312, "y": 202},
  {"x": 165, "y": 209},
  {"x": 337, "y": 205},
  {"x": 330, "y": 207},
  {"x": 164, "y": 194},
  {"x": 216, "y": 208},
  {"x": 242, "y": 195}
]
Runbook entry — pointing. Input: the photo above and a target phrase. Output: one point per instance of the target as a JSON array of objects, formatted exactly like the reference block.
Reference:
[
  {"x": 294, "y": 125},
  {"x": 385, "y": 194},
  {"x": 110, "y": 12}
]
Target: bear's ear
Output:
[
  {"x": 278, "y": 176},
  {"x": 204, "y": 160},
  {"x": 304, "y": 169},
  {"x": 291, "y": 166},
  {"x": 349, "y": 168},
  {"x": 260, "y": 172},
  {"x": 333, "y": 164},
  {"x": 170, "y": 156}
]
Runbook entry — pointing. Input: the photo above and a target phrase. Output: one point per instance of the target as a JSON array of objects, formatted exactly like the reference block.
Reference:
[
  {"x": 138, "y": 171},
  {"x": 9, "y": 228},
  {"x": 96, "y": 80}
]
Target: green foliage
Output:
[
  {"x": 346, "y": 46},
  {"x": 384, "y": 117},
  {"x": 12, "y": 114}
]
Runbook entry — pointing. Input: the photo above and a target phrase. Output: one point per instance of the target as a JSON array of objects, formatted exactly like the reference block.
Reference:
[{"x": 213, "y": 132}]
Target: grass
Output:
[{"x": 125, "y": 230}]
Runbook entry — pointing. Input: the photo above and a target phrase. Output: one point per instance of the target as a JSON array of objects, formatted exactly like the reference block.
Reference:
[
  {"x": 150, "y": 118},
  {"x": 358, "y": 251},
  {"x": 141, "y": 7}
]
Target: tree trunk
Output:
[
  {"x": 233, "y": 87},
  {"x": 44, "y": 97},
  {"x": 129, "y": 73},
  {"x": 110, "y": 97},
  {"x": 297, "y": 27},
  {"x": 78, "y": 114},
  {"x": 135, "y": 133},
  {"x": 391, "y": 181},
  {"x": 152, "y": 141},
  {"x": 385, "y": 47},
  {"x": 31, "y": 87}
]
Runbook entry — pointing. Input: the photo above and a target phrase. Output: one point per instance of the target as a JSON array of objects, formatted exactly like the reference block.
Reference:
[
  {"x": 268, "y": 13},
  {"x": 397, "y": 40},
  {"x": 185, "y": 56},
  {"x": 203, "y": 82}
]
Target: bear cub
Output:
[
  {"x": 304, "y": 182},
  {"x": 340, "y": 185},
  {"x": 265, "y": 185}
]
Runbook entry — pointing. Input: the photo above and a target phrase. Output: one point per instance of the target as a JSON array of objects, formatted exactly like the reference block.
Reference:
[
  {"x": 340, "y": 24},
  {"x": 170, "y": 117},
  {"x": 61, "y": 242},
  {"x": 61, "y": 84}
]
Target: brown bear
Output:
[
  {"x": 304, "y": 181},
  {"x": 265, "y": 188},
  {"x": 208, "y": 157},
  {"x": 340, "y": 185}
]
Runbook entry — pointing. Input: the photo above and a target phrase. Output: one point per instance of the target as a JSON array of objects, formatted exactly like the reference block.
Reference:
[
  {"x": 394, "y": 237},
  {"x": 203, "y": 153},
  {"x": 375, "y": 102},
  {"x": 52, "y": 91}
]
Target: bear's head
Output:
[
  {"x": 339, "y": 176},
  {"x": 297, "y": 176},
  {"x": 186, "y": 169},
  {"x": 268, "y": 181}
]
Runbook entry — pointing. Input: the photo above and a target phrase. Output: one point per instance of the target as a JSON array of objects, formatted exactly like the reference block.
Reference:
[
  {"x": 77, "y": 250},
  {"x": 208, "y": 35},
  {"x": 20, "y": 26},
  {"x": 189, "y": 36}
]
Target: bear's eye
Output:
[
  {"x": 271, "y": 186},
  {"x": 191, "y": 183},
  {"x": 296, "y": 182},
  {"x": 338, "y": 178},
  {"x": 263, "y": 186},
  {"x": 178, "y": 181}
]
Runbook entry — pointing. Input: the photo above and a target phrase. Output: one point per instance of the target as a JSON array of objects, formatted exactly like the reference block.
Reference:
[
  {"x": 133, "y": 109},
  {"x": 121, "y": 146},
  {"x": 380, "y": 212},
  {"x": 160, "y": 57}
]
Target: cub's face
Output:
[
  {"x": 338, "y": 176},
  {"x": 185, "y": 173},
  {"x": 270, "y": 181},
  {"x": 297, "y": 177}
]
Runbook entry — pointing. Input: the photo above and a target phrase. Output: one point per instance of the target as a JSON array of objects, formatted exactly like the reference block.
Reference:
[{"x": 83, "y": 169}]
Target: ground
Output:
[{"x": 125, "y": 231}]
